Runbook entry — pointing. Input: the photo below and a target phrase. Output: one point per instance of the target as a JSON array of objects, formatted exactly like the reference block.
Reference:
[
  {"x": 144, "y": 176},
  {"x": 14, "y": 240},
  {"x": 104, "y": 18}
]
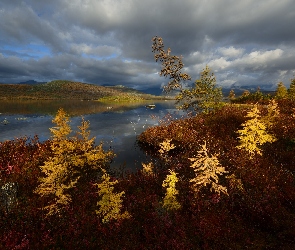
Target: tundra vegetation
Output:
[{"x": 220, "y": 179}]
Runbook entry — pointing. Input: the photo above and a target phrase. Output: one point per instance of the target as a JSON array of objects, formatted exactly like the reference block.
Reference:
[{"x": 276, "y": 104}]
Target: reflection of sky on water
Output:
[
  {"x": 117, "y": 131},
  {"x": 20, "y": 126}
]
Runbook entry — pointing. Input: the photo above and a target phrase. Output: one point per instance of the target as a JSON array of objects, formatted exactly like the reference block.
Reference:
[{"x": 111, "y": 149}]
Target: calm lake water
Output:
[{"x": 115, "y": 125}]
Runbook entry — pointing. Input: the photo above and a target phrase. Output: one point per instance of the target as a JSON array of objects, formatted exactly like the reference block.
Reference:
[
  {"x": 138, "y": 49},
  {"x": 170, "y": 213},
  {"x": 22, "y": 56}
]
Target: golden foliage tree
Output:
[
  {"x": 231, "y": 94},
  {"x": 170, "y": 202},
  {"x": 204, "y": 96},
  {"x": 281, "y": 91},
  {"x": 165, "y": 147},
  {"x": 254, "y": 133},
  {"x": 110, "y": 204},
  {"x": 291, "y": 90},
  {"x": 147, "y": 169},
  {"x": 273, "y": 113},
  {"x": 72, "y": 157},
  {"x": 207, "y": 170},
  {"x": 246, "y": 93}
]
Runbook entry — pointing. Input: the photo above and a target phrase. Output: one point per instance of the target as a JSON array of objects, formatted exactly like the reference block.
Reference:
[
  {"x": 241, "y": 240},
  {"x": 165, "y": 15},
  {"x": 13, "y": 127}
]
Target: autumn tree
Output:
[
  {"x": 110, "y": 203},
  {"x": 204, "y": 96},
  {"x": 147, "y": 169},
  {"x": 207, "y": 171},
  {"x": 272, "y": 115},
  {"x": 245, "y": 93},
  {"x": 291, "y": 91},
  {"x": 258, "y": 95},
  {"x": 165, "y": 147},
  {"x": 254, "y": 133},
  {"x": 170, "y": 201},
  {"x": 72, "y": 158},
  {"x": 171, "y": 65},
  {"x": 232, "y": 94},
  {"x": 281, "y": 91}
]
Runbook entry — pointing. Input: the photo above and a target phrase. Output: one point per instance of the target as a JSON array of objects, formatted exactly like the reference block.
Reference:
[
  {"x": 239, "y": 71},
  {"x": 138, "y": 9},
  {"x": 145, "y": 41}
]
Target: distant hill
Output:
[
  {"x": 31, "y": 82},
  {"x": 61, "y": 89}
]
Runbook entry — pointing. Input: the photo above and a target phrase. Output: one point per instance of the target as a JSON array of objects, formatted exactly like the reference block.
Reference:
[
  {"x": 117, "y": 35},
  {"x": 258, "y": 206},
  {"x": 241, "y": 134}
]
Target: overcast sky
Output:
[{"x": 246, "y": 42}]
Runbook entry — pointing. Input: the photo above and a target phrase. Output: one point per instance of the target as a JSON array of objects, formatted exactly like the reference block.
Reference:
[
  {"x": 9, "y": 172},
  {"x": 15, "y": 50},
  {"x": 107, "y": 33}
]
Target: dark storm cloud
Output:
[
  {"x": 109, "y": 42},
  {"x": 21, "y": 25}
]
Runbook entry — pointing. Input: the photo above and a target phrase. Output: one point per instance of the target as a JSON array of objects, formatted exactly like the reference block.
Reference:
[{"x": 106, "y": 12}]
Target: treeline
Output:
[{"x": 281, "y": 92}]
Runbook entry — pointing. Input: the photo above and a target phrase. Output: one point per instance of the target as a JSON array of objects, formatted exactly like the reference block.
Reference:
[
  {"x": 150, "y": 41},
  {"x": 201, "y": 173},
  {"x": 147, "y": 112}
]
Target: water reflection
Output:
[
  {"x": 72, "y": 107},
  {"x": 116, "y": 127}
]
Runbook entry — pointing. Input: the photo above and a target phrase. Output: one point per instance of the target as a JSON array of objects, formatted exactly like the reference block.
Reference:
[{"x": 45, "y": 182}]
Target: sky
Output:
[{"x": 108, "y": 42}]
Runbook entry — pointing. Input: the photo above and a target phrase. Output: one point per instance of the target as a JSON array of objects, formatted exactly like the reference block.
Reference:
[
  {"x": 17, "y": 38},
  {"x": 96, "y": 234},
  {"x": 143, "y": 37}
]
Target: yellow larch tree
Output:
[
  {"x": 281, "y": 91},
  {"x": 273, "y": 113},
  {"x": 254, "y": 133},
  {"x": 72, "y": 157},
  {"x": 291, "y": 90},
  {"x": 232, "y": 95},
  {"x": 147, "y": 169},
  {"x": 207, "y": 170},
  {"x": 110, "y": 204},
  {"x": 170, "y": 201},
  {"x": 165, "y": 147}
]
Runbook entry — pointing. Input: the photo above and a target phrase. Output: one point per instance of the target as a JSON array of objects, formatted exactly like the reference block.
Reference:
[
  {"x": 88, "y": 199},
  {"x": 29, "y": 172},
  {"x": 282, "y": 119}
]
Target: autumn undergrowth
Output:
[{"x": 217, "y": 181}]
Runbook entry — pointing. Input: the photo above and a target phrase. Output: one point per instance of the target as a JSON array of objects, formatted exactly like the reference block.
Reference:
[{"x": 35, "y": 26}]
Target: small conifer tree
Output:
[
  {"x": 231, "y": 94},
  {"x": 204, "y": 96},
  {"x": 257, "y": 95},
  {"x": 110, "y": 204},
  {"x": 207, "y": 170},
  {"x": 165, "y": 147},
  {"x": 273, "y": 113},
  {"x": 147, "y": 169},
  {"x": 245, "y": 93},
  {"x": 170, "y": 202},
  {"x": 254, "y": 133},
  {"x": 291, "y": 91},
  {"x": 72, "y": 157},
  {"x": 281, "y": 91}
]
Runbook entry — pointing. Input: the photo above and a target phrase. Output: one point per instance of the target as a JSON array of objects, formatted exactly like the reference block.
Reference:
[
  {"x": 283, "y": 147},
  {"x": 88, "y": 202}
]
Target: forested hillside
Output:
[{"x": 68, "y": 90}]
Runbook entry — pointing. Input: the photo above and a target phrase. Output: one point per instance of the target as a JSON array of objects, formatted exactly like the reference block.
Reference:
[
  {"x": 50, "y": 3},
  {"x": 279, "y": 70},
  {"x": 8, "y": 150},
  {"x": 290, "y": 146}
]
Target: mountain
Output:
[{"x": 28, "y": 82}]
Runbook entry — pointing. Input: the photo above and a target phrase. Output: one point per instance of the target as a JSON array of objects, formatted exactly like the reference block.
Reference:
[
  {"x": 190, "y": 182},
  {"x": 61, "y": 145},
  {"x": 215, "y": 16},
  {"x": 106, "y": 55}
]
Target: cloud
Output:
[
  {"x": 109, "y": 41},
  {"x": 231, "y": 52}
]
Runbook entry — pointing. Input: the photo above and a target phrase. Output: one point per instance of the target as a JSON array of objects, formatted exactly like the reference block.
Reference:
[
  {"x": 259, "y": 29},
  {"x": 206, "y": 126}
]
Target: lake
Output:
[{"x": 116, "y": 125}]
